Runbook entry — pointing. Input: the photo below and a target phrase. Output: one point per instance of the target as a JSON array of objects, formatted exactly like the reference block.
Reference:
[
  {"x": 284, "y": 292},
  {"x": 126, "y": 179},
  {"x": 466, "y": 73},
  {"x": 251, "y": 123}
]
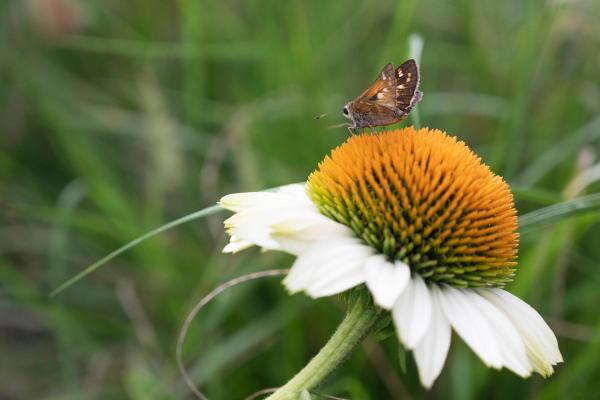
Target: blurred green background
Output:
[{"x": 119, "y": 116}]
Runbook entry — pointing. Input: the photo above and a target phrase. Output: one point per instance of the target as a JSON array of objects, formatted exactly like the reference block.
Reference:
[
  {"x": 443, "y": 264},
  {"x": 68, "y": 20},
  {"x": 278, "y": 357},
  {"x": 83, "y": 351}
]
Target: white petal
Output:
[
  {"x": 329, "y": 267},
  {"x": 252, "y": 226},
  {"x": 471, "y": 326},
  {"x": 412, "y": 312},
  {"x": 244, "y": 201},
  {"x": 540, "y": 342},
  {"x": 286, "y": 194},
  {"x": 294, "y": 189},
  {"x": 236, "y": 244},
  {"x": 285, "y": 219},
  {"x": 295, "y": 233},
  {"x": 491, "y": 335},
  {"x": 431, "y": 352},
  {"x": 385, "y": 280},
  {"x": 510, "y": 344}
]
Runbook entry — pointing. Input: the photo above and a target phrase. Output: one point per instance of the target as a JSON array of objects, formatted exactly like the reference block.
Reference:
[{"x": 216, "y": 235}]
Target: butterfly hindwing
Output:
[{"x": 371, "y": 113}]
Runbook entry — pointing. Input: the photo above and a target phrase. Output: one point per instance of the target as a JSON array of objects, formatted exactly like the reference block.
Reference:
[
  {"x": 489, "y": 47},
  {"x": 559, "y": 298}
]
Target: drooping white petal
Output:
[
  {"x": 291, "y": 194},
  {"x": 412, "y": 312},
  {"x": 510, "y": 344},
  {"x": 329, "y": 267},
  {"x": 471, "y": 326},
  {"x": 237, "y": 202},
  {"x": 252, "y": 226},
  {"x": 431, "y": 352},
  {"x": 540, "y": 342},
  {"x": 386, "y": 280},
  {"x": 285, "y": 219},
  {"x": 236, "y": 244}
]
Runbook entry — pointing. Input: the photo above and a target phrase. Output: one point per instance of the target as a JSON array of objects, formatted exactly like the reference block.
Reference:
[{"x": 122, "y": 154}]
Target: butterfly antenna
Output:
[
  {"x": 321, "y": 116},
  {"x": 337, "y": 126}
]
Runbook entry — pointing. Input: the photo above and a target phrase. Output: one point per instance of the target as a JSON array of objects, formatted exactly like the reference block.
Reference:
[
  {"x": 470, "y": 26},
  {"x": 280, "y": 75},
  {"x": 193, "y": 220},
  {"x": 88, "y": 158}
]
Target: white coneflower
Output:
[{"x": 430, "y": 231}]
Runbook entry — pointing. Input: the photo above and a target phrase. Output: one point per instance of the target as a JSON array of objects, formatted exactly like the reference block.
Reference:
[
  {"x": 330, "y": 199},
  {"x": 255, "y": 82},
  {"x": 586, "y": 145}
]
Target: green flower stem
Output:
[{"x": 359, "y": 321}]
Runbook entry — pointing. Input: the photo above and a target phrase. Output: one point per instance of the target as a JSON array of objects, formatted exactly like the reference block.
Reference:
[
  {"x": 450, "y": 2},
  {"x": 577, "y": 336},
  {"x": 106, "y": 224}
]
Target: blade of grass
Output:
[
  {"x": 561, "y": 151},
  {"x": 465, "y": 103},
  {"x": 535, "y": 195},
  {"x": 68, "y": 201},
  {"x": 398, "y": 33},
  {"x": 190, "y": 217},
  {"x": 560, "y": 211},
  {"x": 149, "y": 49},
  {"x": 193, "y": 32}
]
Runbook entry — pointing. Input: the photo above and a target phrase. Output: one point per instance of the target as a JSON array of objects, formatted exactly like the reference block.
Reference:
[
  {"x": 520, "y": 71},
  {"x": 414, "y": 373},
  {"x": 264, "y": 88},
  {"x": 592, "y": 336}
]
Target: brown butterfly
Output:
[{"x": 388, "y": 100}]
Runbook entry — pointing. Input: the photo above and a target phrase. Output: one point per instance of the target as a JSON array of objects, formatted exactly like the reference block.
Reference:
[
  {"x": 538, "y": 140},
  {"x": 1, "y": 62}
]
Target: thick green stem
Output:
[{"x": 359, "y": 321}]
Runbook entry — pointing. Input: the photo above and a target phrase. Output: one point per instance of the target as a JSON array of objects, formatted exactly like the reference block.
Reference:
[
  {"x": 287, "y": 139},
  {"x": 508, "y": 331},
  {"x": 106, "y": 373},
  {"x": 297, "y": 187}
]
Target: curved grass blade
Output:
[
  {"x": 190, "y": 217},
  {"x": 560, "y": 211},
  {"x": 541, "y": 197},
  {"x": 562, "y": 150}
]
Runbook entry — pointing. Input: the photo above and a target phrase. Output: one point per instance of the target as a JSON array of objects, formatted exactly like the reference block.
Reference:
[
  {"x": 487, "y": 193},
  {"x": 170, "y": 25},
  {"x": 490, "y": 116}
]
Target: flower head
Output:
[
  {"x": 429, "y": 229},
  {"x": 425, "y": 199}
]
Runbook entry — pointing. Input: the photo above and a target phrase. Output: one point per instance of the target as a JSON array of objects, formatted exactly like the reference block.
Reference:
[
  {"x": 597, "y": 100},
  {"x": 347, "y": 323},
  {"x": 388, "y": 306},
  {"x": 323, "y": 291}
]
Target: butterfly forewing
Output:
[
  {"x": 407, "y": 84},
  {"x": 383, "y": 90}
]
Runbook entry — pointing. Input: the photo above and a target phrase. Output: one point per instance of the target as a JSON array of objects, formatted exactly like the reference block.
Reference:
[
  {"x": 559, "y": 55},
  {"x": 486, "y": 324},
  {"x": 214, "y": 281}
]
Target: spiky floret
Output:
[{"x": 426, "y": 199}]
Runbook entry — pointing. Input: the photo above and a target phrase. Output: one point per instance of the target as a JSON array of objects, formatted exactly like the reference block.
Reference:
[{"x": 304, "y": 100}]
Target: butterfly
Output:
[{"x": 388, "y": 100}]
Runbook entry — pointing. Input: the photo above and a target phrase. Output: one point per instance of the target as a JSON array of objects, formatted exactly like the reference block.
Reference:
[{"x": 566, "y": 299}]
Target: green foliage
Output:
[{"x": 117, "y": 117}]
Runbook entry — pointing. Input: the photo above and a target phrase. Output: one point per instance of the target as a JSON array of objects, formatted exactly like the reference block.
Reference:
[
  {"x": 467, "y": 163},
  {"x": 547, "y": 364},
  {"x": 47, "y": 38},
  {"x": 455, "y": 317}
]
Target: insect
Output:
[{"x": 388, "y": 100}]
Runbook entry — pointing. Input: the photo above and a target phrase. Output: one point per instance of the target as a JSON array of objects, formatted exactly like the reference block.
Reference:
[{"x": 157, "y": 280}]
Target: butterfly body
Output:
[{"x": 388, "y": 100}]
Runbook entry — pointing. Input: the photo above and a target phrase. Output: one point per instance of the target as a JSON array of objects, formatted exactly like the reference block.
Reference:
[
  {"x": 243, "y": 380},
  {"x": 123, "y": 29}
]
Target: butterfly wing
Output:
[
  {"x": 383, "y": 90},
  {"x": 368, "y": 113},
  {"x": 407, "y": 86},
  {"x": 389, "y": 99}
]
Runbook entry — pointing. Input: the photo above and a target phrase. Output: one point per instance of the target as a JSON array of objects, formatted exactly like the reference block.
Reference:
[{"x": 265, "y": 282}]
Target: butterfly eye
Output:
[{"x": 346, "y": 112}]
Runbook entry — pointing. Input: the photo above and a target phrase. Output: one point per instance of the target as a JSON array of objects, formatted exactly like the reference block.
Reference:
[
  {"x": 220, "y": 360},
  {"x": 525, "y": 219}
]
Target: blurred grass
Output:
[{"x": 117, "y": 117}]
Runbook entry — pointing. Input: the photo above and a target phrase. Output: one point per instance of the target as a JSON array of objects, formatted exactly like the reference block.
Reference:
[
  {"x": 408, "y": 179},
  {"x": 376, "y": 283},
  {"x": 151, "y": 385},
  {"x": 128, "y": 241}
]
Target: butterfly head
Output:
[{"x": 347, "y": 111}]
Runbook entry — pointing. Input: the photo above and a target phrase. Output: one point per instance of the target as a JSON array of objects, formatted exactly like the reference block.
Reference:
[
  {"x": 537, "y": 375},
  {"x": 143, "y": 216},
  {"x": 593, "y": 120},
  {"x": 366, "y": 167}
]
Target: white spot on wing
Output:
[{"x": 380, "y": 96}]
